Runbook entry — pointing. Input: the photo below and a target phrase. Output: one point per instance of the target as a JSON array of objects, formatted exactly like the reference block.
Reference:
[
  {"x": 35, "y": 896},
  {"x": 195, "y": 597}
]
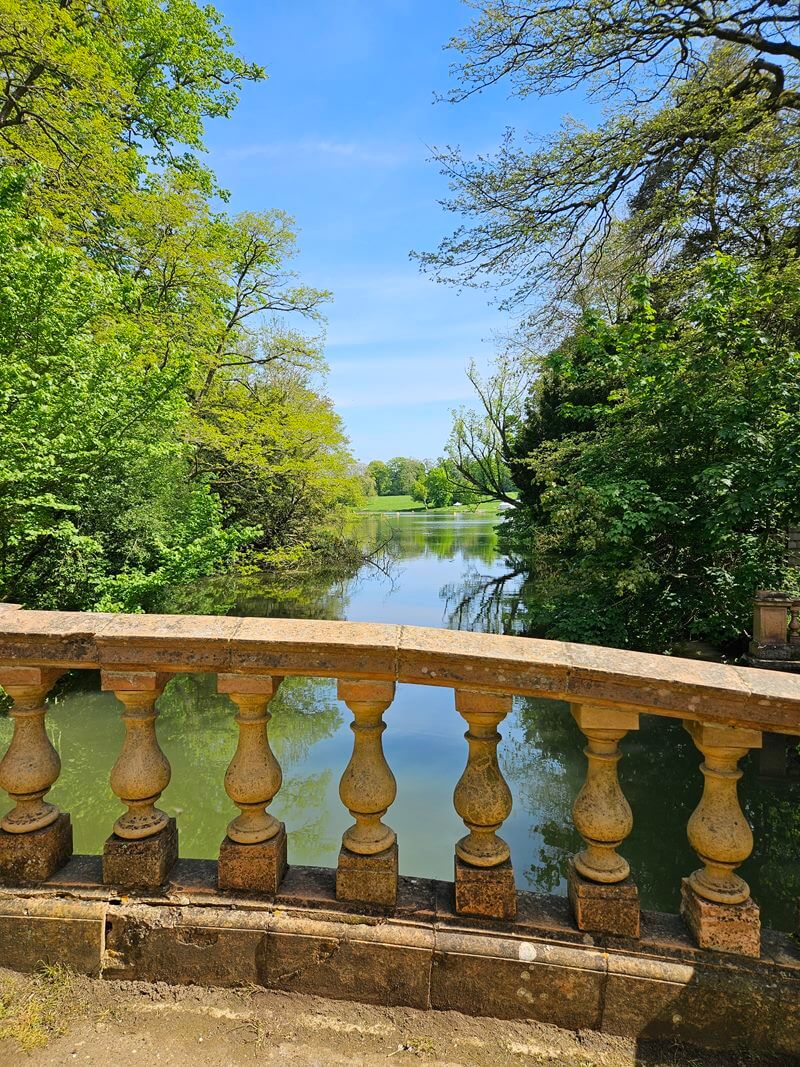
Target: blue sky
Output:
[{"x": 340, "y": 137}]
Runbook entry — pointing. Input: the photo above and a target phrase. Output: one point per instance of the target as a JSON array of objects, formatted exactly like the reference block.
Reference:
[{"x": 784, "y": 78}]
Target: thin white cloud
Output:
[
  {"x": 454, "y": 394},
  {"x": 315, "y": 149}
]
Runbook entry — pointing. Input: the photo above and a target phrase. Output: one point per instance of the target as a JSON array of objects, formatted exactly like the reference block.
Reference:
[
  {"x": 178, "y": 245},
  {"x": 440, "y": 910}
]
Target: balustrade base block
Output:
[
  {"x": 259, "y": 867},
  {"x": 368, "y": 879},
  {"x": 35, "y": 856},
  {"x": 142, "y": 864},
  {"x": 722, "y": 927},
  {"x": 488, "y": 892},
  {"x": 604, "y": 908}
]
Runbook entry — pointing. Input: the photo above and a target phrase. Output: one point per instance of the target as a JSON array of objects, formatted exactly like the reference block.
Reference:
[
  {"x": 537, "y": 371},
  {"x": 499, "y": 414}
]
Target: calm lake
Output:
[{"x": 442, "y": 571}]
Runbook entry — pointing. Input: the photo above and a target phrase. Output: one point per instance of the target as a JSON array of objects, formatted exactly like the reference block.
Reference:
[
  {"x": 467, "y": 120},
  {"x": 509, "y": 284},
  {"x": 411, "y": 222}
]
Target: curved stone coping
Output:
[{"x": 661, "y": 685}]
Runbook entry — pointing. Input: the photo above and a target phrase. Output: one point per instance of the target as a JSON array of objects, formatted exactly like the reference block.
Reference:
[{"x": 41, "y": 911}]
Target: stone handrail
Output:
[{"x": 724, "y": 708}]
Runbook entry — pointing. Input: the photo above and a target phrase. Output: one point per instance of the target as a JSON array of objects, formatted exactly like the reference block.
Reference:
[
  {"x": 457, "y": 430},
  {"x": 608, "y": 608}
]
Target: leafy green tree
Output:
[
  {"x": 403, "y": 472},
  {"x": 94, "y": 91},
  {"x": 481, "y": 445},
  {"x": 95, "y": 495},
  {"x": 667, "y": 491},
  {"x": 381, "y": 475},
  {"x": 434, "y": 487},
  {"x": 696, "y": 151},
  {"x": 179, "y": 419}
]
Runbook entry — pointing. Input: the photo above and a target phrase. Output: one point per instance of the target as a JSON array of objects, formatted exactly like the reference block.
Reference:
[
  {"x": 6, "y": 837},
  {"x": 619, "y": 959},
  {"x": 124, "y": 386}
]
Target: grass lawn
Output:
[
  {"x": 407, "y": 503},
  {"x": 392, "y": 503}
]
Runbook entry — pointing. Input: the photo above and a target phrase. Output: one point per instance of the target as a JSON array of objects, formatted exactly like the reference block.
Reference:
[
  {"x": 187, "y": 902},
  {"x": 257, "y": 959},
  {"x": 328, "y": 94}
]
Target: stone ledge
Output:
[
  {"x": 660, "y": 685},
  {"x": 424, "y": 955}
]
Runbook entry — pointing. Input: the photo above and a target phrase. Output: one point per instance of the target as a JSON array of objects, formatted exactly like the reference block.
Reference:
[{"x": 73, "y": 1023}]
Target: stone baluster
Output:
[
  {"x": 484, "y": 877},
  {"x": 602, "y": 894},
  {"x": 715, "y": 901},
  {"x": 794, "y": 622},
  {"x": 143, "y": 848},
  {"x": 367, "y": 867},
  {"x": 35, "y": 836},
  {"x": 252, "y": 855}
]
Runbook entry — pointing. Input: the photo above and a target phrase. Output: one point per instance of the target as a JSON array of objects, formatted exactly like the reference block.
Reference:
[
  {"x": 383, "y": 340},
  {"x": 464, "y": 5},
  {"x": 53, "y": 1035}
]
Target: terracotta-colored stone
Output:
[
  {"x": 488, "y": 892},
  {"x": 722, "y": 927},
  {"x": 35, "y": 856},
  {"x": 610, "y": 908},
  {"x": 368, "y": 879},
  {"x": 259, "y": 867},
  {"x": 143, "y": 863}
]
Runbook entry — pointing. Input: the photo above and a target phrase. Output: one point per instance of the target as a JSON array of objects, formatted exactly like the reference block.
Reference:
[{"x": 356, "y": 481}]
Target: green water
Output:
[{"x": 438, "y": 571}]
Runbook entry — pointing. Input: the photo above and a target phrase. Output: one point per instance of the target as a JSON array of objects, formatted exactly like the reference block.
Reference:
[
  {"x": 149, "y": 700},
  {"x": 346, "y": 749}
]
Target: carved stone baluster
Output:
[
  {"x": 484, "y": 877},
  {"x": 794, "y": 623},
  {"x": 143, "y": 848},
  {"x": 602, "y": 894},
  {"x": 35, "y": 836},
  {"x": 367, "y": 868},
  {"x": 715, "y": 901},
  {"x": 253, "y": 854}
]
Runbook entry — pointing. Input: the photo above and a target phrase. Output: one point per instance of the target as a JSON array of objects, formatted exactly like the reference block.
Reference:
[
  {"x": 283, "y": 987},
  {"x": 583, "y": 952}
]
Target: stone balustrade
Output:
[
  {"x": 776, "y": 631},
  {"x": 725, "y": 709}
]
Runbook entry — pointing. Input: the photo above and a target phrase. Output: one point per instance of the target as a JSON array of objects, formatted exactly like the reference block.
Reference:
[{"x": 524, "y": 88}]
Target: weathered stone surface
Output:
[
  {"x": 722, "y": 927},
  {"x": 377, "y": 964},
  {"x": 664, "y": 685},
  {"x": 185, "y": 946},
  {"x": 517, "y": 979},
  {"x": 485, "y": 891},
  {"x": 141, "y": 864},
  {"x": 713, "y": 1006},
  {"x": 259, "y": 868},
  {"x": 51, "y": 929},
  {"x": 371, "y": 879},
  {"x": 35, "y": 856},
  {"x": 604, "y": 908},
  {"x": 538, "y": 968}
]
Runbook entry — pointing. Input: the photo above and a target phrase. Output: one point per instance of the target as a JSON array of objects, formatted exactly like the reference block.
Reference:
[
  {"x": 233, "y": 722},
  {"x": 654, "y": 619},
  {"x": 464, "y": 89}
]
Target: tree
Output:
[
  {"x": 434, "y": 487},
  {"x": 381, "y": 475},
  {"x": 480, "y": 446},
  {"x": 96, "y": 90},
  {"x": 96, "y": 505},
  {"x": 696, "y": 154},
  {"x": 403, "y": 472},
  {"x": 667, "y": 492}
]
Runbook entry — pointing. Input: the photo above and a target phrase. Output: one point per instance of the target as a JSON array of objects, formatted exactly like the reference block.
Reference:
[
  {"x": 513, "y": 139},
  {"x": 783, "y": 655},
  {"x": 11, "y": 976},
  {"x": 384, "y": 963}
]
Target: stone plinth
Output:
[
  {"x": 368, "y": 879},
  {"x": 488, "y": 892},
  {"x": 141, "y": 864},
  {"x": 35, "y": 856},
  {"x": 258, "y": 867},
  {"x": 611, "y": 908},
  {"x": 722, "y": 927}
]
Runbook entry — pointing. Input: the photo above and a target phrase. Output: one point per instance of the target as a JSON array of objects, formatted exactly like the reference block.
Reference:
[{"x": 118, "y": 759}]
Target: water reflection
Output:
[{"x": 435, "y": 571}]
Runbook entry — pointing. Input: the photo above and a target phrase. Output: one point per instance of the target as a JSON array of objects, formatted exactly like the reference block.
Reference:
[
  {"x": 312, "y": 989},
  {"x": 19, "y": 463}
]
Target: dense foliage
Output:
[
  {"x": 660, "y": 500},
  {"x": 160, "y": 417},
  {"x": 395, "y": 478},
  {"x": 647, "y": 408}
]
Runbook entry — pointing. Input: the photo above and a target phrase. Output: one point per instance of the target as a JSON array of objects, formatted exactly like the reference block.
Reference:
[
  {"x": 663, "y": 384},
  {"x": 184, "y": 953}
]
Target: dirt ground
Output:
[{"x": 57, "y": 1018}]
